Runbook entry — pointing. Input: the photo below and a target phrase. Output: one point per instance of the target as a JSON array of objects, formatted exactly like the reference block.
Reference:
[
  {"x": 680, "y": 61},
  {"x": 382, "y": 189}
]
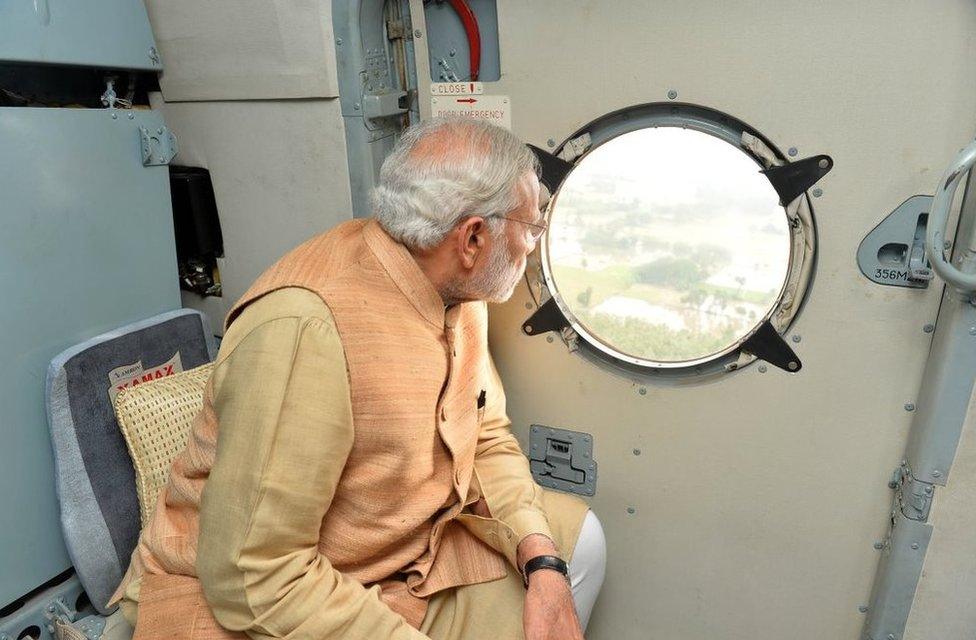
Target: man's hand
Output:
[{"x": 550, "y": 613}]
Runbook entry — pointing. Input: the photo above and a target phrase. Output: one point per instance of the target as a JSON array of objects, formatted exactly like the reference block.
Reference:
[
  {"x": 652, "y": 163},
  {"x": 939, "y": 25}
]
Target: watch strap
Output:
[{"x": 554, "y": 563}]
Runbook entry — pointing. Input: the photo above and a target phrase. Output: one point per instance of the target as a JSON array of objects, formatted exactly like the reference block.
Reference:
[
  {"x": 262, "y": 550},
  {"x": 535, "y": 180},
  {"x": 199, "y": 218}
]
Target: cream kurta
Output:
[{"x": 281, "y": 393}]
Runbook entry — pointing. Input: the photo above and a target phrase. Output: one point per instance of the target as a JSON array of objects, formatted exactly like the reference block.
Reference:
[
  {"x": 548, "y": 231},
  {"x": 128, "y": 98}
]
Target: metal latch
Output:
[
  {"x": 894, "y": 252},
  {"x": 383, "y": 105},
  {"x": 562, "y": 459}
]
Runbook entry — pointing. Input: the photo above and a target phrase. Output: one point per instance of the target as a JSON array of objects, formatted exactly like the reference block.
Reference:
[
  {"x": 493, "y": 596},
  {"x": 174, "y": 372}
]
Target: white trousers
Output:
[{"x": 588, "y": 566}]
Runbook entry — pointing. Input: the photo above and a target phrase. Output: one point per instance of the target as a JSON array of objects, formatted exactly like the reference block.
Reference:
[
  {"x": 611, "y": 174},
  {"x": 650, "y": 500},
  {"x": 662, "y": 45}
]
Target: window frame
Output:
[{"x": 800, "y": 220}]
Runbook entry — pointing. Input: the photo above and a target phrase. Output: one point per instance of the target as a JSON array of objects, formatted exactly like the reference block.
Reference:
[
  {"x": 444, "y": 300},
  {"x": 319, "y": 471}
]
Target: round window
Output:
[{"x": 668, "y": 248}]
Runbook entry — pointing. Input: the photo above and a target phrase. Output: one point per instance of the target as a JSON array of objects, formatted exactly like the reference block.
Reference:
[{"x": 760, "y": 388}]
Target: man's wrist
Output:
[
  {"x": 533, "y": 546},
  {"x": 553, "y": 564}
]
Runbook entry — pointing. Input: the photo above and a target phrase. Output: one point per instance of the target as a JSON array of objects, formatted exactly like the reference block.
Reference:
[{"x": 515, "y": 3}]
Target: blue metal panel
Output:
[
  {"x": 86, "y": 245},
  {"x": 93, "y": 33}
]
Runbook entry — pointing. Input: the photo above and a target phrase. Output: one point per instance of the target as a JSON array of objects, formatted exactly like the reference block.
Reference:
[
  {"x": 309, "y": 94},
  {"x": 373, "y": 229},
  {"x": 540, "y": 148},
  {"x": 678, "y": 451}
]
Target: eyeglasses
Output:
[{"x": 539, "y": 228}]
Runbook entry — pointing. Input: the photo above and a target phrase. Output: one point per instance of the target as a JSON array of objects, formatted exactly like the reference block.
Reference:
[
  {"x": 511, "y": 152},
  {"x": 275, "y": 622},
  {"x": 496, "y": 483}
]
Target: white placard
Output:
[
  {"x": 494, "y": 109},
  {"x": 457, "y": 88}
]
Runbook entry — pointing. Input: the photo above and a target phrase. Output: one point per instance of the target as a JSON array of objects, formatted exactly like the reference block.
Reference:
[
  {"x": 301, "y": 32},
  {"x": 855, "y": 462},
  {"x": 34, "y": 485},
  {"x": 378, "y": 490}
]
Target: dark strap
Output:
[{"x": 544, "y": 562}]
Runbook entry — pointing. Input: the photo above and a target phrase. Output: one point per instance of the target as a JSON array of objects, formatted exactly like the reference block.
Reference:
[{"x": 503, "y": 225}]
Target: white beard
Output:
[{"x": 496, "y": 283}]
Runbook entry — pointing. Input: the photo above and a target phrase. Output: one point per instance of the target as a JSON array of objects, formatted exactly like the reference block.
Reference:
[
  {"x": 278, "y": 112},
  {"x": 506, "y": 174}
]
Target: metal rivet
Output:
[
  {"x": 879, "y": 545},
  {"x": 549, "y": 339},
  {"x": 909, "y": 406},
  {"x": 417, "y": 34},
  {"x": 928, "y": 489},
  {"x": 891, "y": 636},
  {"x": 356, "y": 106},
  {"x": 792, "y": 151},
  {"x": 762, "y": 368},
  {"x": 936, "y": 474},
  {"x": 817, "y": 193},
  {"x": 863, "y": 609},
  {"x": 551, "y": 143},
  {"x": 792, "y": 365},
  {"x": 527, "y": 328},
  {"x": 796, "y": 338},
  {"x": 637, "y": 452},
  {"x": 115, "y": 116},
  {"x": 642, "y": 391},
  {"x": 339, "y": 41},
  {"x": 631, "y": 510},
  {"x": 672, "y": 94},
  {"x": 528, "y": 305},
  {"x": 929, "y": 328},
  {"x": 824, "y": 163},
  {"x": 914, "y": 545},
  {"x": 972, "y": 331}
]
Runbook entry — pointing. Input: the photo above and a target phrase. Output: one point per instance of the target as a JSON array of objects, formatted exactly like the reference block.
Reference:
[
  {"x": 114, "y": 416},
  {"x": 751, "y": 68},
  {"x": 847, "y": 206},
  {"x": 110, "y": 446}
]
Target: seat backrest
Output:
[
  {"x": 155, "y": 419},
  {"x": 95, "y": 477}
]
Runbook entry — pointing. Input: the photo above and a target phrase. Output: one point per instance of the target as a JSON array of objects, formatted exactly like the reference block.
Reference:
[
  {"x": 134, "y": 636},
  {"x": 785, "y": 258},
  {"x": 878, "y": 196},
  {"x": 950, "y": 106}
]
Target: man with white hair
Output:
[{"x": 365, "y": 483}]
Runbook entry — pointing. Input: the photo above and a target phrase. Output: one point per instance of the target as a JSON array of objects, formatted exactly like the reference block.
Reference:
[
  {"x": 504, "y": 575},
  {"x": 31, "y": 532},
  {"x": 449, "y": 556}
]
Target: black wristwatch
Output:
[{"x": 554, "y": 563}]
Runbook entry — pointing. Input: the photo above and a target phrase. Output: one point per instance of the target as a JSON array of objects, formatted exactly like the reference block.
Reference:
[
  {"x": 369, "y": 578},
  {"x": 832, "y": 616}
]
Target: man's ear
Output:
[{"x": 472, "y": 241}]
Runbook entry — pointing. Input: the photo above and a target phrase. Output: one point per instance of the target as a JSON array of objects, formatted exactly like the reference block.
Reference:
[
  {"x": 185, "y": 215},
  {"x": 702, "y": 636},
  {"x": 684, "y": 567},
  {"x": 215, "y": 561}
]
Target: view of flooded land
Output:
[{"x": 668, "y": 244}]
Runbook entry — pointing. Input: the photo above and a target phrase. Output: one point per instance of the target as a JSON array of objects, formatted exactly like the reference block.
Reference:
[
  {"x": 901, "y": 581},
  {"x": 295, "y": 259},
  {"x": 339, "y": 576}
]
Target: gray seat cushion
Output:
[{"x": 95, "y": 478}]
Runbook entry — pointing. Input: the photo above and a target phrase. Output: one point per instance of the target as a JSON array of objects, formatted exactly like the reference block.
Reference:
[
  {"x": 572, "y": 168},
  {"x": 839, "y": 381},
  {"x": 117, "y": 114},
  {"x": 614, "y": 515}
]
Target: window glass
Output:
[{"x": 667, "y": 245}]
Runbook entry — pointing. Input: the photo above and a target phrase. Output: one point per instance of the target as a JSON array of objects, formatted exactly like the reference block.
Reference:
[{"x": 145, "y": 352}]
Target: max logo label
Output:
[{"x": 134, "y": 374}]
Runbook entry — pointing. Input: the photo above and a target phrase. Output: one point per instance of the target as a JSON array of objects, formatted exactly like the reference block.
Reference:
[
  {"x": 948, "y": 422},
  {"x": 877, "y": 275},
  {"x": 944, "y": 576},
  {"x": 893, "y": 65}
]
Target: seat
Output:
[{"x": 96, "y": 479}]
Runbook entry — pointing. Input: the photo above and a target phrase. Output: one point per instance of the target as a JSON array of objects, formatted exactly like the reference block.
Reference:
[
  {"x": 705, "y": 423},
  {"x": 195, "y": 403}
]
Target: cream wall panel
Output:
[
  {"x": 279, "y": 174},
  {"x": 245, "y": 49},
  {"x": 757, "y": 496},
  {"x": 944, "y": 601}
]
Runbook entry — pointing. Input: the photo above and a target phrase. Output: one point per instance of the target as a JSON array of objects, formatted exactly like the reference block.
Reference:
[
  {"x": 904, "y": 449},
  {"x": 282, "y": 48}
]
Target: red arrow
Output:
[{"x": 468, "y": 100}]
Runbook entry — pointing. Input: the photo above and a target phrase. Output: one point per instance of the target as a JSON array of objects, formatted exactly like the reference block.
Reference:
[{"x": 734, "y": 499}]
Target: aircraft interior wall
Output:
[{"x": 740, "y": 500}]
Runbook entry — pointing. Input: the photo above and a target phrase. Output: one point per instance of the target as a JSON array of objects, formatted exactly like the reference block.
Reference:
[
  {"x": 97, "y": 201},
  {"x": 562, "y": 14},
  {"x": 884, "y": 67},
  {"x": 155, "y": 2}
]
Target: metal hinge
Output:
[{"x": 158, "y": 146}]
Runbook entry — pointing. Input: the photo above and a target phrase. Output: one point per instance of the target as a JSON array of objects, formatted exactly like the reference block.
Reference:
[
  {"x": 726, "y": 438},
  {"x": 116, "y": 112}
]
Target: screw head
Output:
[
  {"x": 115, "y": 116},
  {"x": 792, "y": 152},
  {"x": 356, "y": 106},
  {"x": 914, "y": 545},
  {"x": 909, "y": 406},
  {"x": 824, "y": 163},
  {"x": 550, "y": 143},
  {"x": 637, "y": 452},
  {"x": 817, "y": 192},
  {"x": 642, "y": 391},
  {"x": 132, "y": 116},
  {"x": 418, "y": 34},
  {"x": 549, "y": 339},
  {"x": 339, "y": 41},
  {"x": 672, "y": 94},
  {"x": 453, "y": 52},
  {"x": 878, "y": 545},
  {"x": 528, "y": 305},
  {"x": 763, "y": 368},
  {"x": 972, "y": 331},
  {"x": 929, "y": 328},
  {"x": 936, "y": 474},
  {"x": 797, "y": 338},
  {"x": 862, "y": 609},
  {"x": 631, "y": 510}
]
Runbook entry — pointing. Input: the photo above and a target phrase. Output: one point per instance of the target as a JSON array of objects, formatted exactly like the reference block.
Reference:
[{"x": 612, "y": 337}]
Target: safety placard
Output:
[
  {"x": 456, "y": 88},
  {"x": 494, "y": 109}
]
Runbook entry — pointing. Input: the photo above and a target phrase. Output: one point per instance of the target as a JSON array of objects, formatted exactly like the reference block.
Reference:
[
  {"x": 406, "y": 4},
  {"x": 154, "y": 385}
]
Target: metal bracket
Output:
[
  {"x": 158, "y": 146},
  {"x": 546, "y": 318},
  {"x": 894, "y": 252},
  {"x": 554, "y": 169},
  {"x": 912, "y": 496},
  {"x": 562, "y": 459},
  {"x": 793, "y": 178},
  {"x": 767, "y": 344}
]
